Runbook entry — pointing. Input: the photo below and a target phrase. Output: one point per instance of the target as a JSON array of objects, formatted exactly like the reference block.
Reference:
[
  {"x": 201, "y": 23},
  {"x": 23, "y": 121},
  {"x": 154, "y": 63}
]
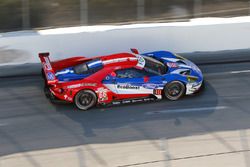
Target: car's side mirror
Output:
[{"x": 135, "y": 51}]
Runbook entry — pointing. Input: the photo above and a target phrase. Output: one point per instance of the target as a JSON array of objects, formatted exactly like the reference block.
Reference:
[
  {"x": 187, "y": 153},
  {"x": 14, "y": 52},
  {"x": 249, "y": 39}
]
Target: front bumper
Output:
[{"x": 192, "y": 88}]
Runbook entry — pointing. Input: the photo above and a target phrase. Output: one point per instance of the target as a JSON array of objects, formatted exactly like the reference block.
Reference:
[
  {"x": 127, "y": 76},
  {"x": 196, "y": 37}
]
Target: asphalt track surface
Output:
[{"x": 28, "y": 121}]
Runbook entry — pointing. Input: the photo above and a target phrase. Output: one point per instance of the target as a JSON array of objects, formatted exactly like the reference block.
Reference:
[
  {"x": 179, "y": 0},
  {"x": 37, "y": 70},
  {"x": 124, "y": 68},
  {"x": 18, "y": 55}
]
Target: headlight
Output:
[{"x": 192, "y": 79}]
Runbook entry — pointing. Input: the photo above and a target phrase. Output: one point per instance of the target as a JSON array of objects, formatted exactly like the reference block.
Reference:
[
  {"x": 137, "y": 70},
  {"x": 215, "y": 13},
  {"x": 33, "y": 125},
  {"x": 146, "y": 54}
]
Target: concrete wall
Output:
[{"x": 208, "y": 34}]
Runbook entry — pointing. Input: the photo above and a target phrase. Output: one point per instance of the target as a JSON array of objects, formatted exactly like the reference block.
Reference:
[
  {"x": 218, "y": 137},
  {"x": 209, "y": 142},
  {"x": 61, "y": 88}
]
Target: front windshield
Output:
[{"x": 154, "y": 66}]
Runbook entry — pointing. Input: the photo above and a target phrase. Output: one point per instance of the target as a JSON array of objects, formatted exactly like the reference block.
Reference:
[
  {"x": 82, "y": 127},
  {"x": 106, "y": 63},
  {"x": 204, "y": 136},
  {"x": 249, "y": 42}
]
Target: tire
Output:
[
  {"x": 174, "y": 90},
  {"x": 85, "y": 99}
]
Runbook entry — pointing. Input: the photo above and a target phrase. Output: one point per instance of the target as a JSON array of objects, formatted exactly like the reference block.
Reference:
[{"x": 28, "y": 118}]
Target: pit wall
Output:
[{"x": 205, "y": 35}]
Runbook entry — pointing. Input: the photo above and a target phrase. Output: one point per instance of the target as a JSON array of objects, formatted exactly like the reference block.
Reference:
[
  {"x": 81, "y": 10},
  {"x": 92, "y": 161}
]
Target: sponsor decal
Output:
[
  {"x": 132, "y": 101},
  {"x": 46, "y": 64},
  {"x": 107, "y": 77},
  {"x": 102, "y": 94},
  {"x": 80, "y": 85},
  {"x": 128, "y": 87},
  {"x": 150, "y": 86},
  {"x": 126, "y": 101},
  {"x": 157, "y": 91},
  {"x": 116, "y": 102},
  {"x": 172, "y": 65},
  {"x": 66, "y": 97},
  {"x": 141, "y": 61},
  {"x": 137, "y": 100},
  {"x": 50, "y": 76}
]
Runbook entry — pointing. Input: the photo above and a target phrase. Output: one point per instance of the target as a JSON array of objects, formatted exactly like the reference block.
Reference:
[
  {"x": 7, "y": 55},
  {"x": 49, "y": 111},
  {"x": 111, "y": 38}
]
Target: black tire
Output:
[
  {"x": 85, "y": 99},
  {"x": 174, "y": 90}
]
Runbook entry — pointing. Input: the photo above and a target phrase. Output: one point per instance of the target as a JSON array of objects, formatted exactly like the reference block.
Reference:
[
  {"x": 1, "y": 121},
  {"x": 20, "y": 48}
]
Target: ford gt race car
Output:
[{"x": 120, "y": 78}]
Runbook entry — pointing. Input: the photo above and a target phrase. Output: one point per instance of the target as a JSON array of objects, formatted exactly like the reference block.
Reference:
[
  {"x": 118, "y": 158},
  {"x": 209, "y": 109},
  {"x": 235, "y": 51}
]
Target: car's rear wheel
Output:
[
  {"x": 174, "y": 90},
  {"x": 85, "y": 99}
]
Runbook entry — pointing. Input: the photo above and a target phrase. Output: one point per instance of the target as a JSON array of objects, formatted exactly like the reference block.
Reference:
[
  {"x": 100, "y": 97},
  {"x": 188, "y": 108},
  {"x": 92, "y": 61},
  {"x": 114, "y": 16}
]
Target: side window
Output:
[{"x": 131, "y": 73}]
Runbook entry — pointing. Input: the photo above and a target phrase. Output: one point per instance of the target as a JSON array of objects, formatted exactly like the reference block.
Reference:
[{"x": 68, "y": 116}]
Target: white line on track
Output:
[
  {"x": 237, "y": 72},
  {"x": 186, "y": 110}
]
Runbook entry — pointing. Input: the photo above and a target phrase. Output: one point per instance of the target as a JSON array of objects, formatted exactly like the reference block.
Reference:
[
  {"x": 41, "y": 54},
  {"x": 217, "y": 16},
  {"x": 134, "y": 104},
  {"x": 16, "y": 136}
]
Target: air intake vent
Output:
[
  {"x": 180, "y": 62},
  {"x": 187, "y": 72}
]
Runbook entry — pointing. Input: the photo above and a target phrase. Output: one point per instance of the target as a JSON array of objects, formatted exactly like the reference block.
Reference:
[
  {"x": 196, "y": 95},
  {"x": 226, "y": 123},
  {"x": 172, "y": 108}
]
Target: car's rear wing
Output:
[{"x": 48, "y": 69}]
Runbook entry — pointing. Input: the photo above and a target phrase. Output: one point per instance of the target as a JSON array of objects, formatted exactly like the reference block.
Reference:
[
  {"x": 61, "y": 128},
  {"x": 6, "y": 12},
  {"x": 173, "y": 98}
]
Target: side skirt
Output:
[{"x": 129, "y": 101}]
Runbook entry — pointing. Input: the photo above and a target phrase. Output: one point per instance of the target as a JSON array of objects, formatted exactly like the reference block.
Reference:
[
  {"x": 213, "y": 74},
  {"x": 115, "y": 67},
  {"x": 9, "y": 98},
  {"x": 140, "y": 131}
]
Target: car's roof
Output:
[{"x": 114, "y": 61}]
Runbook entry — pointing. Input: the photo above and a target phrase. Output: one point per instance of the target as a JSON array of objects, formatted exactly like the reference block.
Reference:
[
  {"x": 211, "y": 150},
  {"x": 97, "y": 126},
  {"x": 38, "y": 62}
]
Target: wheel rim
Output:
[
  {"x": 174, "y": 90},
  {"x": 85, "y": 99}
]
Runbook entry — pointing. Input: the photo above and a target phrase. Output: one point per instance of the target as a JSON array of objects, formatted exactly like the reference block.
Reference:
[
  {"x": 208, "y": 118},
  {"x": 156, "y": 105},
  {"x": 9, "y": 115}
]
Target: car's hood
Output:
[{"x": 175, "y": 63}]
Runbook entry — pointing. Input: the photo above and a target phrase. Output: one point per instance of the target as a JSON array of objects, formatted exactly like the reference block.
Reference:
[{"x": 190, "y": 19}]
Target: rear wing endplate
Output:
[{"x": 47, "y": 68}]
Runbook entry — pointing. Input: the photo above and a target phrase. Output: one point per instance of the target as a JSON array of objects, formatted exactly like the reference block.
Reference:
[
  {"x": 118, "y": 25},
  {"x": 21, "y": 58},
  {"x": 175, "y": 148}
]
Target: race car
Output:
[{"x": 120, "y": 78}]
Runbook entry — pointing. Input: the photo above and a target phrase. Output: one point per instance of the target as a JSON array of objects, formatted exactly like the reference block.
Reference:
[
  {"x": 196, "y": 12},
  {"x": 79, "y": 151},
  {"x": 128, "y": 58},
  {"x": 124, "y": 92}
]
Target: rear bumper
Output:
[{"x": 50, "y": 95}]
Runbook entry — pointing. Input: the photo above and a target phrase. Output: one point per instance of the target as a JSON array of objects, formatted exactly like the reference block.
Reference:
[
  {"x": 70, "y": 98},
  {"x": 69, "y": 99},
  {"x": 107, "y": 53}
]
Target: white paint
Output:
[
  {"x": 186, "y": 110},
  {"x": 192, "y": 87},
  {"x": 171, "y": 59},
  {"x": 102, "y": 28},
  {"x": 238, "y": 72},
  {"x": 94, "y": 63},
  {"x": 117, "y": 60},
  {"x": 206, "y": 34}
]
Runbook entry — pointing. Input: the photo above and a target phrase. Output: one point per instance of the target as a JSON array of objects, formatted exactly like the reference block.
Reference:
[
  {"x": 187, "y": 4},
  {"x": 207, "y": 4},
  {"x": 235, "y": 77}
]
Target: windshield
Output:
[{"x": 154, "y": 66}]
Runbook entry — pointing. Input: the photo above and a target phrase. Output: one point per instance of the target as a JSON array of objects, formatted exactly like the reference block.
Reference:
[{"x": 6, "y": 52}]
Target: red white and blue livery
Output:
[{"x": 120, "y": 78}]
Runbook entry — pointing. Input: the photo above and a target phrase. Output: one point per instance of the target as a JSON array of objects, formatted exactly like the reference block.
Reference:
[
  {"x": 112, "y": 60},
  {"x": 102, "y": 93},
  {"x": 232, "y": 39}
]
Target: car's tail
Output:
[{"x": 48, "y": 69}]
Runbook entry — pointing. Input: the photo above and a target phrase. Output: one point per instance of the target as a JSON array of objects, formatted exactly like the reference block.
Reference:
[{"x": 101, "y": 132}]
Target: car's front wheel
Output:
[
  {"x": 85, "y": 99},
  {"x": 174, "y": 90}
]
